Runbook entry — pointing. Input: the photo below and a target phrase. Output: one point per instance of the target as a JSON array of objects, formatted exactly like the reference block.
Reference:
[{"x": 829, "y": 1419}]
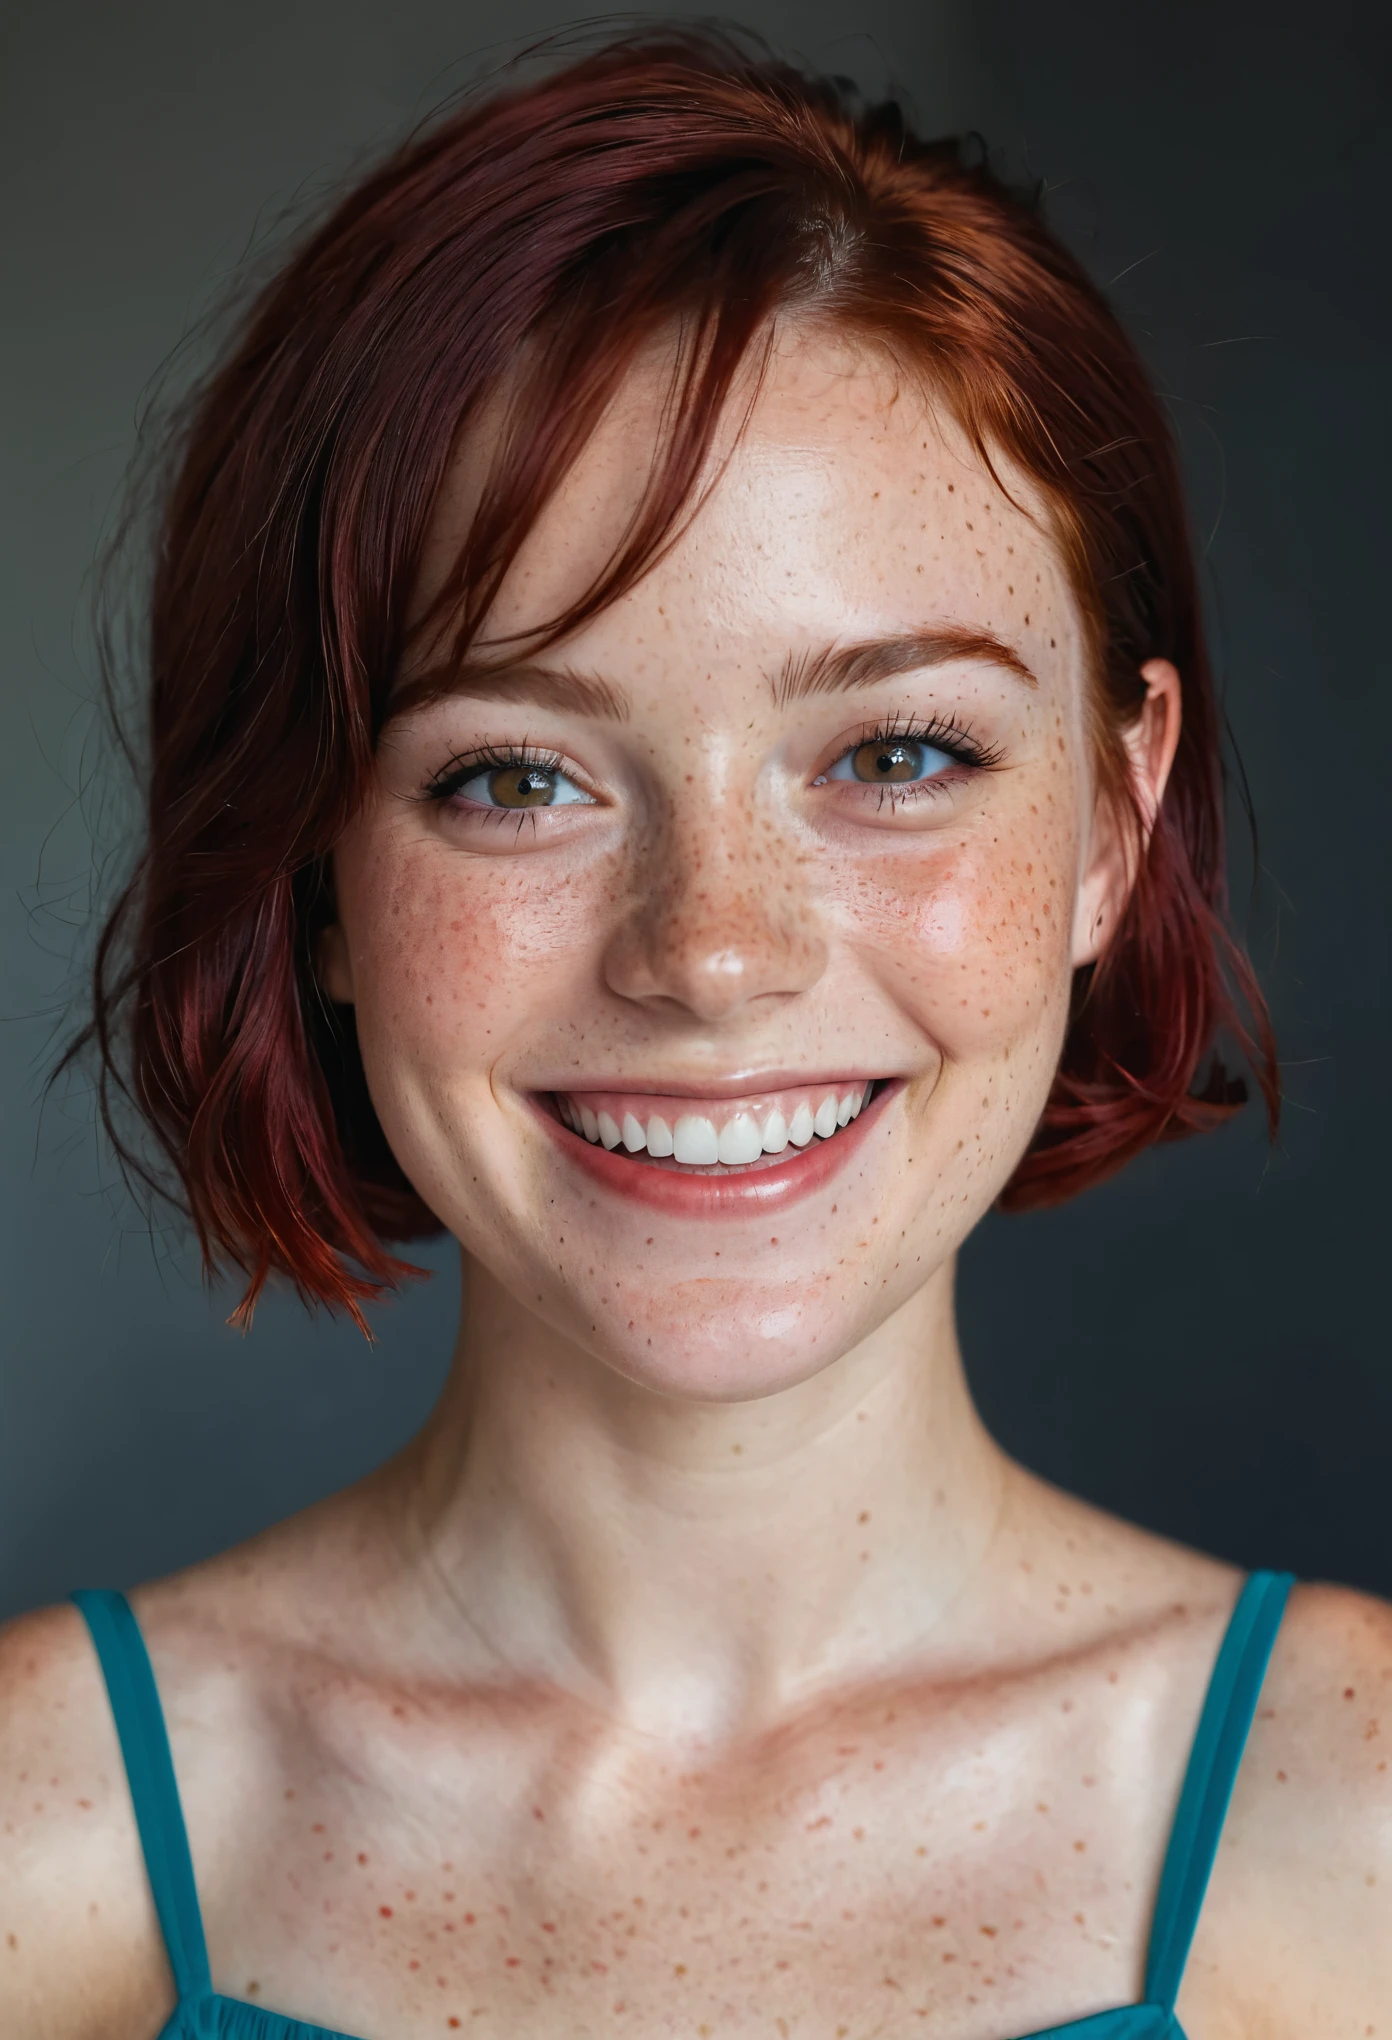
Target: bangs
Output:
[{"x": 483, "y": 296}]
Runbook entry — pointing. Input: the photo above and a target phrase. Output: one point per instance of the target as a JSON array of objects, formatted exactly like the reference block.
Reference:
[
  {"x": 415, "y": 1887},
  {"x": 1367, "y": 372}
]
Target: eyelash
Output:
[
  {"x": 940, "y": 733},
  {"x": 466, "y": 765}
]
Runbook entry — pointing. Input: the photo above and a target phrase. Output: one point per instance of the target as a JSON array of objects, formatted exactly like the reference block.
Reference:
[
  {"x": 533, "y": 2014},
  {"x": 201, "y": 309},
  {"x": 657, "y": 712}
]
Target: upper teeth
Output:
[{"x": 744, "y": 1133}]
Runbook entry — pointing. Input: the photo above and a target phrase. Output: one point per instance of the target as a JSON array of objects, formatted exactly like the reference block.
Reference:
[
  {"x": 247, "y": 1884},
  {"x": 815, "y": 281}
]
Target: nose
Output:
[{"x": 721, "y": 914}]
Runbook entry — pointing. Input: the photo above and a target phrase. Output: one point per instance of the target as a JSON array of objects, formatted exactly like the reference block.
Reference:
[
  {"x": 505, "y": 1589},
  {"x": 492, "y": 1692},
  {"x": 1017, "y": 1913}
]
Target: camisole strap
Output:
[
  {"x": 1228, "y": 1711},
  {"x": 130, "y": 1684}
]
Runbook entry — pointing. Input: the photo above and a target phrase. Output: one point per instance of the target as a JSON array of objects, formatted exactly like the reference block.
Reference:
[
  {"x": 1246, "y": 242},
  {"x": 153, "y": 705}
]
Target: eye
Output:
[
  {"x": 891, "y": 761},
  {"x": 511, "y": 787}
]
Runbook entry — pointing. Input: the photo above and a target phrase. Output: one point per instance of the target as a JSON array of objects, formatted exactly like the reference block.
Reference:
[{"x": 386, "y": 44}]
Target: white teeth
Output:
[
  {"x": 694, "y": 1139},
  {"x": 801, "y": 1127},
  {"x": 740, "y": 1139},
  {"x": 775, "y": 1133}
]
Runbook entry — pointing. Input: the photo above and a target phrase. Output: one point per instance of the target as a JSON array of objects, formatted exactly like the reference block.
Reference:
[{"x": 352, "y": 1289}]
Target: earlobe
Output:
[
  {"x": 1149, "y": 745},
  {"x": 333, "y": 965}
]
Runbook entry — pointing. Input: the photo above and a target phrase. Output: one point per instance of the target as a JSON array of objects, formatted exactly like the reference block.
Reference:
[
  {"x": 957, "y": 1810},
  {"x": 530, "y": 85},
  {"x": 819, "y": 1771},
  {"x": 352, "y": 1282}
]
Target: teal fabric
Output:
[{"x": 201, "y": 2014}]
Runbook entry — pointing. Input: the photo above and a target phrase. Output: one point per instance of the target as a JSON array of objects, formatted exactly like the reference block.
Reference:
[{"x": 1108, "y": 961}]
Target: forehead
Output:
[{"x": 843, "y": 503}]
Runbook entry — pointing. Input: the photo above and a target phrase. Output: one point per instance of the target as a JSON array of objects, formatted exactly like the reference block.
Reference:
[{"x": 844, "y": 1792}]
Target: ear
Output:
[
  {"x": 333, "y": 964},
  {"x": 1115, "y": 846}
]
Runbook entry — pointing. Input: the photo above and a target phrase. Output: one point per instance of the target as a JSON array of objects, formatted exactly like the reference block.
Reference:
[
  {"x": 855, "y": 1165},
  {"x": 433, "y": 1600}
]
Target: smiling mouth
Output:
[{"x": 713, "y": 1137}]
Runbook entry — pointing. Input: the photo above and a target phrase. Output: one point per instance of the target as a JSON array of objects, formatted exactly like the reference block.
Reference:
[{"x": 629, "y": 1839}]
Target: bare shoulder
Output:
[
  {"x": 1301, "y": 1905},
  {"x": 79, "y": 1953},
  {"x": 1319, "y": 1768}
]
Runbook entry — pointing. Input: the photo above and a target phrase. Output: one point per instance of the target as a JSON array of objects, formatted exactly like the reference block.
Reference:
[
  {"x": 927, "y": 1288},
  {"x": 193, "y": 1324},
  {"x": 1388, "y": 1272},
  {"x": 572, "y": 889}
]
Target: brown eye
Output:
[
  {"x": 511, "y": 788},
  {"x": 522, "y": 786},
  {"x": 891, "y": 763}
]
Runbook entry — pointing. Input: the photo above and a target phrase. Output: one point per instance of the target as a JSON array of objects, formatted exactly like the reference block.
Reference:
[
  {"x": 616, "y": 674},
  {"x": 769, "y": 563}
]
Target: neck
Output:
[{"x": 699, "y": 1567}]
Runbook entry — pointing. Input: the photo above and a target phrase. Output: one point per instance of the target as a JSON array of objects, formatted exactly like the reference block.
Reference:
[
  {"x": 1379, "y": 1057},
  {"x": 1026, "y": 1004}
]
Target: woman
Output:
[{"x": 681, "y": 751}]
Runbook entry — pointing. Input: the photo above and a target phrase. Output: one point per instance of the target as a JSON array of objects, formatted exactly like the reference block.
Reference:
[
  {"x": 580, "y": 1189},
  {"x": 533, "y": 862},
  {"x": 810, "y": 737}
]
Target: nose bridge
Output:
[{"x": 722, "y": 909}]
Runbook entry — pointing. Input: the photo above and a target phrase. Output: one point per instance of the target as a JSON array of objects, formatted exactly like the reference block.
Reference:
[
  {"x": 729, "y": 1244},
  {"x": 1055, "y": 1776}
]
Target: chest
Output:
[{"x": 899, "y": 1868}]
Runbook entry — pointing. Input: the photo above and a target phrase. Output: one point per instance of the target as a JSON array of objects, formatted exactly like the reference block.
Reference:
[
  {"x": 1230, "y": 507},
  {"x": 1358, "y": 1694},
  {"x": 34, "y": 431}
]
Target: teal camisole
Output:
[{"x": 201, "y": 2014}]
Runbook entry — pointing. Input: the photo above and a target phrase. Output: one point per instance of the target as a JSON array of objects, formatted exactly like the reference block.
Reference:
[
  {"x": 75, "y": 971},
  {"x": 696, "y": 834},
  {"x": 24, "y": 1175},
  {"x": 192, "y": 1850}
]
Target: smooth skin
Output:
[{"x": 703, "y": 1666}]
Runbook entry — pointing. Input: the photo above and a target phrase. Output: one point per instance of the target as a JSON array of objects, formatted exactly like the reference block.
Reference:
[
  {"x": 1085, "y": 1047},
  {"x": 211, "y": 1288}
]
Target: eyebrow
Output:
[
  {"x": 838, "y": 668},
  {"x": 544, "y": 686},
  {"x": 833, "y": 669}
]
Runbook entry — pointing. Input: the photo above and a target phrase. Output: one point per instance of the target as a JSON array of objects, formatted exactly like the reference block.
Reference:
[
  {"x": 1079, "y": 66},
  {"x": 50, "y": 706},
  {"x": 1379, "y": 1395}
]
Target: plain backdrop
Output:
[{"x": 1201, "y": 1345}]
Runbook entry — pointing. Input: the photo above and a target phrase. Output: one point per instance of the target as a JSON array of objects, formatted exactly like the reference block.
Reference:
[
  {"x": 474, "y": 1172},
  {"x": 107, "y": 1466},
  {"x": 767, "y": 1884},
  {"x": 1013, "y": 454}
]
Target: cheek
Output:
[
  {"x": 452, "y": 954},
  {"x": 972, "y": 939}
]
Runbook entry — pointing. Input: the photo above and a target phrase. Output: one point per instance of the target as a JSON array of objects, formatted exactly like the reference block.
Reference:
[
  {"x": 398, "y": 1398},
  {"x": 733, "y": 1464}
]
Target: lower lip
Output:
[{"x": 756, "y": 1191}]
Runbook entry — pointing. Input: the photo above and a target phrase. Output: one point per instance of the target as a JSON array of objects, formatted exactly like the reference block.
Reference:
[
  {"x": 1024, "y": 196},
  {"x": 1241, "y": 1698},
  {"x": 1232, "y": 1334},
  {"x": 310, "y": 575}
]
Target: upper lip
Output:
[{"x": 749, "y": 1084}]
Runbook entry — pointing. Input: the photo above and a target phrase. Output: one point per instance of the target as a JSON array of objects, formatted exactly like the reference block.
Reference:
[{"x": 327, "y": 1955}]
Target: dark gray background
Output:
[{"x": 1202, "y": 1345}]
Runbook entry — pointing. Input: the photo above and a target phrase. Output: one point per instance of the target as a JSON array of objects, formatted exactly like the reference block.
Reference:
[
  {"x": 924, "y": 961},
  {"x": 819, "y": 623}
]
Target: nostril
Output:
[{"x": 694, "y": 963}]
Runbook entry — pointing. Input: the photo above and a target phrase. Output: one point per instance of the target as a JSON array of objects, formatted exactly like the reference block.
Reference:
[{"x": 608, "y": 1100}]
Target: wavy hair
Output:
[{"x": 519, "y": 253}]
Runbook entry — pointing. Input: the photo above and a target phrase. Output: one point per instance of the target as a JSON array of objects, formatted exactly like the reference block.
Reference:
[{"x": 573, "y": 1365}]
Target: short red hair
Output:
[{"x": 522, "y": 250}]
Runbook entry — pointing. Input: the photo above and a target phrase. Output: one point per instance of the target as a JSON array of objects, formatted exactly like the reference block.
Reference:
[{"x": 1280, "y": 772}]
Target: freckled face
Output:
[{"x": 690, "y": 875}]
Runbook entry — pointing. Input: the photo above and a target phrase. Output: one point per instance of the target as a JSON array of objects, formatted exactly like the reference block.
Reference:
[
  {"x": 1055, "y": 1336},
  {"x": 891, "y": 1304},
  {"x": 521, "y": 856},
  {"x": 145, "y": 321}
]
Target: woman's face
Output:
[{"x": 806, "y": 816}]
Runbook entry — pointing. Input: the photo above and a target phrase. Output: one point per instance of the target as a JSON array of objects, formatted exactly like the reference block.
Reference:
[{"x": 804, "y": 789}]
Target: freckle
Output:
[
  {"x": 252, "y": 1987},
  {"x": 1080, "y": 1847}
]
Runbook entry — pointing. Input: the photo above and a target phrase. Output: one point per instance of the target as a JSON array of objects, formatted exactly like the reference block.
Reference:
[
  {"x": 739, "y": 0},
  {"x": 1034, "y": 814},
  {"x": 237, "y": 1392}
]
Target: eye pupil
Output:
[
  {"x": 522, "y": 786},
  {"x": 892, "y": 761}
]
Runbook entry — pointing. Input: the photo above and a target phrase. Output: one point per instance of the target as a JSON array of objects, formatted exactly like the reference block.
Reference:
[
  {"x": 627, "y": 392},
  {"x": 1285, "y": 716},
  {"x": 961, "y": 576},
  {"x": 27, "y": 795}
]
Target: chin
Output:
[{"x": 708, "y": 1341}]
